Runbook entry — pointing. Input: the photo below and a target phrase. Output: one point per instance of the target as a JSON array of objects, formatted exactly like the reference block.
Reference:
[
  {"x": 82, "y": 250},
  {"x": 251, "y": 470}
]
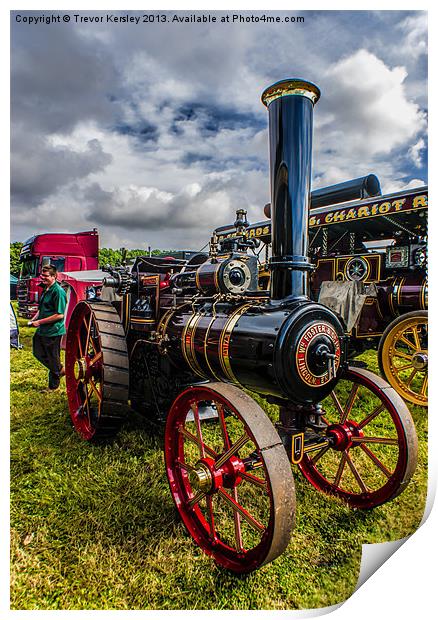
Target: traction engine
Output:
[{"x": 184, "y": 341}]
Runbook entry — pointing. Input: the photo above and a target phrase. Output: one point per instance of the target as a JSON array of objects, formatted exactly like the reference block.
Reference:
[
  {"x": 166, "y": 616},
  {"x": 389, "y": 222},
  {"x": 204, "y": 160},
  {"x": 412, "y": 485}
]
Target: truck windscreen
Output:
[
  {"x": 58, "y": 262},
  {"x": 29, "y": 267}
]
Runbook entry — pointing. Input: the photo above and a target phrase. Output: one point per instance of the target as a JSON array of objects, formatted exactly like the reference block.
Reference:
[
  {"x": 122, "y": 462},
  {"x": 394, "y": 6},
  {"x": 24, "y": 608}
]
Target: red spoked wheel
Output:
[
  {"x": 96, "y": 371},
  {"x": 371, "y": 449},
  {"x": 229, "y": 476}
]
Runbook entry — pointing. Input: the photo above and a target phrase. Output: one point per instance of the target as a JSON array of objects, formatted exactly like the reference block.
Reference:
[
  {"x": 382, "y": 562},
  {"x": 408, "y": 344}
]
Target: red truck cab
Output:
[{"x": 67, "y": 251}]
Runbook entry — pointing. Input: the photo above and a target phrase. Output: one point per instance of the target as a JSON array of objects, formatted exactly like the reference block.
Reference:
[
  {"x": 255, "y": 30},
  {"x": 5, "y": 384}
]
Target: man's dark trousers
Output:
[{"x": 47, "y": 351}]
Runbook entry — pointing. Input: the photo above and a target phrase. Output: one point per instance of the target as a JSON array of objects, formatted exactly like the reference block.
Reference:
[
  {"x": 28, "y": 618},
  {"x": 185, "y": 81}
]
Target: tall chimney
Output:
[{"x": 290, "y": 105}]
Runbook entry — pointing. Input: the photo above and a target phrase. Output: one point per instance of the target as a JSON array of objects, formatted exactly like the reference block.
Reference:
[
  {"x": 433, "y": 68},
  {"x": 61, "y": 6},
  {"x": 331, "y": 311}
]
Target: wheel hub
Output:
[
  {"x": 341, "y": 435},
  {"x": 419, "y": 360},
  {"x": 205, "y": 477},
  {"x": 202, "y": 478},
  {"x": 231, "y": 472},
  {"x": 80, "y": 368}
]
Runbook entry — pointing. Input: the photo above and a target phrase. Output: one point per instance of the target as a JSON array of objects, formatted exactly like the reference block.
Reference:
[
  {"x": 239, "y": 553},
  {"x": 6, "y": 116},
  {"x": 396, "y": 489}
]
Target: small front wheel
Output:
[{"x": 371, "y": 449}]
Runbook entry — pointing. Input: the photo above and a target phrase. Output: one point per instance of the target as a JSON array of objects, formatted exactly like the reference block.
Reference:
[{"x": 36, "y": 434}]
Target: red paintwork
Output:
[
  {"x": 80, "y": 251},
  {"x": 76, "y": 291},
  {"x": 84, "y": 411},
  {"x": 228, "y": 476},
  {"x": 341, "y": 435}
]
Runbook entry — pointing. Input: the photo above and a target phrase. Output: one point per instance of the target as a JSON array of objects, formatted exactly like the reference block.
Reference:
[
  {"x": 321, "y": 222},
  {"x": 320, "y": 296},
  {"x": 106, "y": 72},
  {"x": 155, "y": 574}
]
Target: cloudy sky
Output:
[{"x": 155, "y": 134}]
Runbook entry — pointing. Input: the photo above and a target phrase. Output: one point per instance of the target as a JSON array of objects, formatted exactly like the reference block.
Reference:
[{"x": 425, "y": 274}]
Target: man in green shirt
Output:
[{"x": 50, "y": 323}]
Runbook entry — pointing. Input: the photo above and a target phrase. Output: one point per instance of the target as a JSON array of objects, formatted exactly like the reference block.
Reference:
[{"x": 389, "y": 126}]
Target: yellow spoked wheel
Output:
[{"x": 403, "y": 356}]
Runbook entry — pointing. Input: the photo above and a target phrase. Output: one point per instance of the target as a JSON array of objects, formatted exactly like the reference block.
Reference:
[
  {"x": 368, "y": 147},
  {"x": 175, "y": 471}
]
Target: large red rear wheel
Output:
[
  {"x": 229, "y": 476},
  {"x": 96, "y": 371},
  {"x": 371, "y": 450}
]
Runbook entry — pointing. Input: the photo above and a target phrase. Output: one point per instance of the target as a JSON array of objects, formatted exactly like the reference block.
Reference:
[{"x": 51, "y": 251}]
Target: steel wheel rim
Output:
[
  {"x": 84, "y": 372},
  {"x": 222, "y": 533},
  {"x": 362, "y": 455},
  {"x": 404, "y": 348}
]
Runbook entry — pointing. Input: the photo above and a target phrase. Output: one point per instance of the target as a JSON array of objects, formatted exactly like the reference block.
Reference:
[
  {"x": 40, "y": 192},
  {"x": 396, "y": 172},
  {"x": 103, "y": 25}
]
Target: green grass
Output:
[{"x": 94, "y": 527}]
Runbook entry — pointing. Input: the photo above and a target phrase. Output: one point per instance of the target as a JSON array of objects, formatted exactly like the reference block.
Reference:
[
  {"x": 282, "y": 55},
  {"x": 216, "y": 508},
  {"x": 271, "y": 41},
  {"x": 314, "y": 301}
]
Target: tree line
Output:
[{"x": 107, "y": 256}]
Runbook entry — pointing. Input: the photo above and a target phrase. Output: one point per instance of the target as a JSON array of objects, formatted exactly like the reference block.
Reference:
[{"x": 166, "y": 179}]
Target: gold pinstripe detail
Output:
[
  {"x": 399, "y": 292},
  {"x": 224, "y": 342},
  {"x": 391, "y": 298},
  {"x": 164, "y": 321},
  {"x": 423, "y": 296},
  {"x": 126, "y": 309},
  {"x": 187, "y": 344},
  {"x": 207, "y": 333}
]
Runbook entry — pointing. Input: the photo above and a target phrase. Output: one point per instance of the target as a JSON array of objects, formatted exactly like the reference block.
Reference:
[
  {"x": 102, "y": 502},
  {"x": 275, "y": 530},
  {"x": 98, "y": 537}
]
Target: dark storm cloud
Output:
[
  {"x": 145, "y": 135},
  {"x": 57, "y": 81},
  {"x": 143, "y": 132},
  {"x": 133, "y": 207},
  {"x": 212, "y": 119},
  {"x": 217, "y": 162},
  {"x": 60, "y": 78},
  {"x": 191, "y": 157},
  {"x": 45, "y": 168}
]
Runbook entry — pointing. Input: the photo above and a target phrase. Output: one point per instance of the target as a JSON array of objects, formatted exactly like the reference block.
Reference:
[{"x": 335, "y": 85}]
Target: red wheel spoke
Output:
[
  {"x": 188, "y": 435},
  {"x": 375, "y": 460},
  {"x": 356, "y": 474},
  {"x": 340, "y": 470},
  {"x": 211, "y": 517},
  {"x": 96, "y": 358},
  {"x": 86, "y": 404},
  {"x": 95, "y": 390},
  {"x": 234, "y": 448},
  {"x": 319, "y": 454},
  {"x": 254, "y": 479},
  {"x": 196, "y": 498},
  {"x": 185, "y": 466},
  {"x": 195, "y": 409},
  {"x": 243, "y": 513},
  {"x": 372, "y": 415},
  {"x": 350, "y": 403},
  {"x": 92, "y": 347},
  {"x": 220, "y": 411},
  {"x": 89, "y": 342},
  {"x": 237, "y": 527},
  {"x": 388, "y": 441},
  {"x": 87, "y": 339},
  {"x": 81, "y": 354},
  {"x": 338, "y": 405}
]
